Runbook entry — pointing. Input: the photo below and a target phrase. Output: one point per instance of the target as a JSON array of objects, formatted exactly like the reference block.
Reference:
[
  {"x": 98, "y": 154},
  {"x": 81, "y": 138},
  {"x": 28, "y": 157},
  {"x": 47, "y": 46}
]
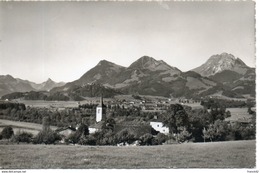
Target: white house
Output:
[
  {"x": 158, "y": 126},
  {"x": 92, "y": 130}
]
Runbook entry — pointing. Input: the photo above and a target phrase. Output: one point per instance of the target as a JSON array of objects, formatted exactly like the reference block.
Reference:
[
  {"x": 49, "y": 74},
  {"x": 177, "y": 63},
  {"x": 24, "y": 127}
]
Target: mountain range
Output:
[
  {"x": 9, "y": 84},
  {"x": 221, "y": 74}
]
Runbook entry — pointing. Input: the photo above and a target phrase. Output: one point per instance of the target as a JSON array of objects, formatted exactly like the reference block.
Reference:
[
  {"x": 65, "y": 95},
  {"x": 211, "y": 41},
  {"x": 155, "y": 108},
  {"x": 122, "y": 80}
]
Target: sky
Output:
[{"x": 63, "y": 40}]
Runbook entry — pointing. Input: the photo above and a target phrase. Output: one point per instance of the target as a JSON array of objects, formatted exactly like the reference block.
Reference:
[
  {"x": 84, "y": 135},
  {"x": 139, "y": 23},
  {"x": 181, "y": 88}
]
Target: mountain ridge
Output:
[
  {"x": 9, "y": 84},
  {"x": 221, "y": 73}
]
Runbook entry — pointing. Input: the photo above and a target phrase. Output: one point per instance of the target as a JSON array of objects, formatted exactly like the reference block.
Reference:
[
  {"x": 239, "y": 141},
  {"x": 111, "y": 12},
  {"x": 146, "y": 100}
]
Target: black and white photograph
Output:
[{"x": 90, "y": 85}]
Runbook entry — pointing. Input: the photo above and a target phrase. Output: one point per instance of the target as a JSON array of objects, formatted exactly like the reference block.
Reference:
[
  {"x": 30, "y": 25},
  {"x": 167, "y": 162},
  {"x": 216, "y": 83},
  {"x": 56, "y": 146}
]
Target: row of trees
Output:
[
  {"x": 201, "y": 125},
  {"x": 185, "y": 124},
  {"x": 71, "y": 116},
  {"x": 216, "y": 103}
]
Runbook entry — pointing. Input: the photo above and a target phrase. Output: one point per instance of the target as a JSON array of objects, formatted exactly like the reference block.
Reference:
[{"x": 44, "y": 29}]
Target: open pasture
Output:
[
  {"x": 49, "y": 104},
  {"x": 193, "y": 105},
  {"x": 235, "y": 154},
  {"x": 238, "y": 114},
  {"x": 22, "y": 126}
]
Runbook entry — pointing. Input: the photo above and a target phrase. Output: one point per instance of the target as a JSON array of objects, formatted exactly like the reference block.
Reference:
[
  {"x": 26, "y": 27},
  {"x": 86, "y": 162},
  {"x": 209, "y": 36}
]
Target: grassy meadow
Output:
[
  {"x": 238, "y": 114},
  {"x": 22, "y": 126},
  {"x": 235, "y": 154}
]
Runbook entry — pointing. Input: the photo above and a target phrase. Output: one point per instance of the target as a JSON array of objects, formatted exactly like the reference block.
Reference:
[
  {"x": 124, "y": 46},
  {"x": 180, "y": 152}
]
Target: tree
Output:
[
  {"x": 219, "y": 113},
  {"x": 199, "y": 119},
  {"x": 176, "y": 118},
  {"x": 46, "y": 135},
  {"x": 184, "y": 136},
  {"x": 125, "y": 136},
  {"x": 209, "y": 133},
  {"x": 83, "y": 129},
  {"x": 7, "y": 132},
  {"x": 108, "y": 124},
  {"x": 217, "y": 131},
  {"x": 80, "y": 134},
  {"x": 221, "y": 130},
  {"x": 161, "y": 138}
]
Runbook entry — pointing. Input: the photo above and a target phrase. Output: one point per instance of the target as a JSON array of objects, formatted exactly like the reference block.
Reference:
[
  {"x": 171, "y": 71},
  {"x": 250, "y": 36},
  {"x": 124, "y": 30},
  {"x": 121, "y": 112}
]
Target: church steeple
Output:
[
  {"x": 101, "y": 101},
  {"x": 101, "y": 110}
]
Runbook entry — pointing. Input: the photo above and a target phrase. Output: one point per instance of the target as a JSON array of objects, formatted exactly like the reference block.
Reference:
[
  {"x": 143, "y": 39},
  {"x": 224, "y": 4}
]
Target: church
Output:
[{"x": 100, "y": 111}]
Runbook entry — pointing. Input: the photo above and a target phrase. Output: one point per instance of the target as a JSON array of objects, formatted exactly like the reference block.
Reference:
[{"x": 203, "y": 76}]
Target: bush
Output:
[
  {"x": 161, "y": 138},
  {"x": 23, "y": 137},
  {"x": 79, "y": 135},
  {"x": 147, "y": 139},
  {"x": 240, "y": 132},
  {"x": 46, "y": 136},
  {"x": 87, "y": 140},
  {"x": 184, "y": 136},
  {"x": 7, "y": 132},
  {"x": 83, "y": 129},
  {"x": 125, "y": 136},
  {"x": 73, "y": 138}
]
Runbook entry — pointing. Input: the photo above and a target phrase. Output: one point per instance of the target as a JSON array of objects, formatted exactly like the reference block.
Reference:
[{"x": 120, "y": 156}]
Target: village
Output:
[{"x": 134, "y": 116}]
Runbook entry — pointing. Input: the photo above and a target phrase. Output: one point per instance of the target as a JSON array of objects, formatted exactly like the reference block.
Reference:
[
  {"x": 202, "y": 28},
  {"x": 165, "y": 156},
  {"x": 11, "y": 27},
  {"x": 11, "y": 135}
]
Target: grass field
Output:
[
  {"x": 235, "y": 154},
  {"x": 238, "y": 114},
  {"x": 48, "y": 104},
  {"x": 22, "y": 126}
]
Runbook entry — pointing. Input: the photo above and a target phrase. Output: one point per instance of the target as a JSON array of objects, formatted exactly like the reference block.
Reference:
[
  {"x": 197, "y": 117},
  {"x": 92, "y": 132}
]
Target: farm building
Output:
[
  {"x": 65, "y": 131},
  {"x": 158, "y": 126}
]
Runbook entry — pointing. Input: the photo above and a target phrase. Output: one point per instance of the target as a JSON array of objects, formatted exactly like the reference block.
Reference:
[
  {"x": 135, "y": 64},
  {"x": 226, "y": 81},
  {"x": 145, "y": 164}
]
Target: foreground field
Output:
[{"x": 237, "y": 154}]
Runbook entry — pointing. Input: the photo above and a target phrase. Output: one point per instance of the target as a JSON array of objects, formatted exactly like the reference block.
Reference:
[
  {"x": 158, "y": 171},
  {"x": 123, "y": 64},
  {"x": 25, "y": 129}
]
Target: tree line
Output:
[{"x": 185, "y": 124}]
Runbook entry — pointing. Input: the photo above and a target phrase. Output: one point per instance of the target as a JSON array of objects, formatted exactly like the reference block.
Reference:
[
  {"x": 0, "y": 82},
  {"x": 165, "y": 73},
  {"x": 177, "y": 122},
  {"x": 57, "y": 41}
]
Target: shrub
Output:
[
  {"x": 7, "y": 132},
  {"x": 73, "y": 138},
  {"x": 184, "y": 136},
  {"x": 78, "y": 136},
  {"x": 23, "y": 137},
  {"x": 46, "y": 136},
  {"x": 240, "y": 132},
  {"x": 125, "y": 136},
  {"x": 161, "y": 138},
  {"x": 87, "y": 140},
  {"x": 147, "y": 139},
  {"x": 83, "y": 129}
]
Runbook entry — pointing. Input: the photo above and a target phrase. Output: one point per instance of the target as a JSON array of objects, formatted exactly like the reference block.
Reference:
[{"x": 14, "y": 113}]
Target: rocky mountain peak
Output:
[
  {"x": 49, "y": 80},
  {"x": 220, "y": 62},
  {"x": 146, "y": 62}
]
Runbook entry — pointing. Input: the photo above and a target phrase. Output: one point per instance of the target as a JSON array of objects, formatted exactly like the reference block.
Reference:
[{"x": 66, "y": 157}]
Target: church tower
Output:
[{"x": 101, "y": 110}]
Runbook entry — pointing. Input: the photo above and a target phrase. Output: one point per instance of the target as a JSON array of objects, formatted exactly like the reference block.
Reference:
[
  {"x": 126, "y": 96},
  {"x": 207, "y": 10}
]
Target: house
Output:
[
  {"x": 158, "y": 126},
  {"x": 92, "y": 130},
  {"x": 65, "y": 132}
]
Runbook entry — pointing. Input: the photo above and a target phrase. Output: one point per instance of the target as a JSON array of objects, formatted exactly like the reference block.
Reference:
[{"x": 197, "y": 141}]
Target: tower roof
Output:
[{"x": 101, "y": 104}]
